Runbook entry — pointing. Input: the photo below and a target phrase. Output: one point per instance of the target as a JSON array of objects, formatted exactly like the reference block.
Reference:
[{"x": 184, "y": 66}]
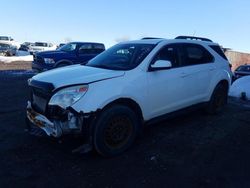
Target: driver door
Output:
[{"x": 166, "y": 87}]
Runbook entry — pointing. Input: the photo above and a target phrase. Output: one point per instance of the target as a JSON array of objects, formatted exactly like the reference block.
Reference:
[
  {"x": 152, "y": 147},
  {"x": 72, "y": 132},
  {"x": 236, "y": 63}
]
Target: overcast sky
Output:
[{"x": 109, "y": 21}]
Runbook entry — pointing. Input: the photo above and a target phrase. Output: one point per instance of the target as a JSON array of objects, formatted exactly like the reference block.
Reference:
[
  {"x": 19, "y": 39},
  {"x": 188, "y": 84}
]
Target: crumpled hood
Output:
[{"x": 76, "y": 74}]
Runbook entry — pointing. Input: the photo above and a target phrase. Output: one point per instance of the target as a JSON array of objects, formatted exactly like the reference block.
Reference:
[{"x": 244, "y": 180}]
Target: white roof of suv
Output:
[{"x": 152, "y": 40}]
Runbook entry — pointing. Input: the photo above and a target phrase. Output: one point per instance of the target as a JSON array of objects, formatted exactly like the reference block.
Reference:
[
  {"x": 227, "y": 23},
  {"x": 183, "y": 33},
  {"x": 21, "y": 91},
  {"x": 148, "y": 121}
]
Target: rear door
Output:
[
  {"x": 85, "y": 52},
  {"x": 197, "y": 70}
]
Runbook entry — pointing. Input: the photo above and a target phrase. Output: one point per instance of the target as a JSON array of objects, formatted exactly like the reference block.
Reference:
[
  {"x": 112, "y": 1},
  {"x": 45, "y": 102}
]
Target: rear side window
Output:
[
  {"x": 196, "y": 54},
  {"x": 219, "y": 51},
  {"x": 98, "y": 48},
  {"x": 91, "y": 48},
  {"x": 86, "y": 49}
]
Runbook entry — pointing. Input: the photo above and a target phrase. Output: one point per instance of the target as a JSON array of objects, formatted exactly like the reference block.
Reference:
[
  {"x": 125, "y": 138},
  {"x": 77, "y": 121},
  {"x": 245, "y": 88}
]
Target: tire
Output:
[
  {"x": 115, "y": 130},
  {"x": 218, "y": 100}
]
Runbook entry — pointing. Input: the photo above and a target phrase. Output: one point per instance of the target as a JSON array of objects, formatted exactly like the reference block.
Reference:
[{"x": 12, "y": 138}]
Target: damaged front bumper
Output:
[{"x": 55, "y": 127}]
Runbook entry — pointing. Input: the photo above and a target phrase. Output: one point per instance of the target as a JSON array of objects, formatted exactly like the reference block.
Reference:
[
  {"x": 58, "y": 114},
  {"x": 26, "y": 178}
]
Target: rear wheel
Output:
[
  {"x": 115, "y": 130},
  {"x": 218, "y": 99}
]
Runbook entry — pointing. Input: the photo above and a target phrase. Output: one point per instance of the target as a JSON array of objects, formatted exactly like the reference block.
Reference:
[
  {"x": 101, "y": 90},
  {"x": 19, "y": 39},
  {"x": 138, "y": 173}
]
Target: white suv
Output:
[{"x": 111, "y": 97}]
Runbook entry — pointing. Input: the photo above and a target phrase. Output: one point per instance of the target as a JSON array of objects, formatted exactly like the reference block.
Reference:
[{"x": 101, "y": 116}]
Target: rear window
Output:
[
  {"x": 42, "y": 44},
  {"x": 219, "y": 51}
]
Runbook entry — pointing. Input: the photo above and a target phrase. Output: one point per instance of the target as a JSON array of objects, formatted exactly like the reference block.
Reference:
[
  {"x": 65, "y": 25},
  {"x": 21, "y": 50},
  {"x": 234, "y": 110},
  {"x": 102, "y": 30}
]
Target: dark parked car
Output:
[
  {"x": 69, "y": 54},
  {"x": 24, "y": 47},
  {"x": 243, "y": 70},
  {"x": 7, "y": 49}
]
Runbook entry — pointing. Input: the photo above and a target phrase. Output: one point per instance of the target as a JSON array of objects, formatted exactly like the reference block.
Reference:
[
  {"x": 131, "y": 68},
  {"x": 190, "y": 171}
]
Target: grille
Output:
[
  {"x": 38, "y": 59},
  {"x": 39, "y": 100}
]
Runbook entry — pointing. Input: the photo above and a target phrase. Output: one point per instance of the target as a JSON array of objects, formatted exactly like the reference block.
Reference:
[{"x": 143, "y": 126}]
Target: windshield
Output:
[
  {"x": 122, "y": 56},
  {"x": 243, "y": 68},
  {"x": 68, "y": 47},
  {"x": 4, "y": 38}
]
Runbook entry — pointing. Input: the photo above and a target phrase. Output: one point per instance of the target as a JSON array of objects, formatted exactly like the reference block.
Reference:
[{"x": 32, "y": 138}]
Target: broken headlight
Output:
[{"x": 68, "y": 96}]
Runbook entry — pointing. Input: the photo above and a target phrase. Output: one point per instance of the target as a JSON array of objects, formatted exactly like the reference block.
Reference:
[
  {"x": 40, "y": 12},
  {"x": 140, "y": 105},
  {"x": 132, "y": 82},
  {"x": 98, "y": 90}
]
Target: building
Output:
[{"x": 237, "y": 58}]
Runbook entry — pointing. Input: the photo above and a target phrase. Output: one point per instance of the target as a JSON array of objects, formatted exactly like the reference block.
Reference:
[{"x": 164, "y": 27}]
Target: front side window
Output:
[
  {"x": 168, "y": 53},
  {"x": 196, "y": 54},
  {"x": 122, "y": 56}
]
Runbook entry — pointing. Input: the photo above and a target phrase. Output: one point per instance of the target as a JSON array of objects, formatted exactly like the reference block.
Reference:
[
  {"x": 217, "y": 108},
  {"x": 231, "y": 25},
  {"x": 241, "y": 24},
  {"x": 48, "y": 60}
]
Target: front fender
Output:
[{"x": 102, "y": 93}]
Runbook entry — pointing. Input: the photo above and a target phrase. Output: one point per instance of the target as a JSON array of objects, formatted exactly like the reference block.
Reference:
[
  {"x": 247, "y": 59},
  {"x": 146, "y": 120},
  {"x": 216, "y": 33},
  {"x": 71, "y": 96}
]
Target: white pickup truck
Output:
[
  {"x": 41, "y": 46},
  {"x": 10, "y": 41}
]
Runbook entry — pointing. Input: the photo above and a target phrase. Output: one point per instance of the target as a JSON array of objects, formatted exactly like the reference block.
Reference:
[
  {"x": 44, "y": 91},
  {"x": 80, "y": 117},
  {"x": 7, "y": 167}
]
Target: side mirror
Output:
[{"x": 160, "y": 65}]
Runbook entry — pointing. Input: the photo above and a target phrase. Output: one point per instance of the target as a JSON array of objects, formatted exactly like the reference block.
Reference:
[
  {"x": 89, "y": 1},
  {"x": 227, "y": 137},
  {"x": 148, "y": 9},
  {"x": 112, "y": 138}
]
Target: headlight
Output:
[
  {"x": 49, "y": 61},
  {"x": 68, "y": 96}
]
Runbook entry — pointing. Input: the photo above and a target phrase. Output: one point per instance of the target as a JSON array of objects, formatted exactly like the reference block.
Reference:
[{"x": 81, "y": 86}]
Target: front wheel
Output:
[
  {"x": 115, "y": 130},
  {"x": 218, "y": 99}
]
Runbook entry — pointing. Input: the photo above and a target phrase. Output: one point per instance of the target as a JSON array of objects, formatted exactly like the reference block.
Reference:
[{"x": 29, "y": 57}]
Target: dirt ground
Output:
[
  {"x": 193, "y": 150},
  {"x": 19, "y": 65}
]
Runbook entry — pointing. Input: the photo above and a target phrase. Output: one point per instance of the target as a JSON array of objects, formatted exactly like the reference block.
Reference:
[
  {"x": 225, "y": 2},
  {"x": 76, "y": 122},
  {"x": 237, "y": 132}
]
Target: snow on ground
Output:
[
  {"x": 241, "y": 85},
  {"x": 22, "y": 53},
  {"x": 21, "y": 56}
]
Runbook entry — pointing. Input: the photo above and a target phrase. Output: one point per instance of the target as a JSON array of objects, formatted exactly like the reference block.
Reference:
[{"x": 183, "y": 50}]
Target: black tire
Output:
[
  {"x": 218, "y": 100},
  {"x": 115, "y": 130}
]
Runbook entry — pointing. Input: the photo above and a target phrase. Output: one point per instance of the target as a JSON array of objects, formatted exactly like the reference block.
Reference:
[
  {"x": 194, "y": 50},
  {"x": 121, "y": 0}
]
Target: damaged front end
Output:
[
  {"x": 50, "y": 109},
  {"x": 61, "y": 121}
]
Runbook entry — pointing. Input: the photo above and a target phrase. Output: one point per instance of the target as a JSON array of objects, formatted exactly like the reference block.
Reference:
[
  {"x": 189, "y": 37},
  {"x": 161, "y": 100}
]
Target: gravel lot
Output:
[
  {"x": 18, "y": 65},
  {"x": 193, "y": 150}
]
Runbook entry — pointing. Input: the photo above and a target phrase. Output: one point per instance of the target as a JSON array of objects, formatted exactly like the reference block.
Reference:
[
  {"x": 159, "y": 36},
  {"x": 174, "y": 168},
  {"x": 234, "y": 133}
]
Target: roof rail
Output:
[
  {"x": 193, "y": 38},
  {"x": 146, "y": 38}
]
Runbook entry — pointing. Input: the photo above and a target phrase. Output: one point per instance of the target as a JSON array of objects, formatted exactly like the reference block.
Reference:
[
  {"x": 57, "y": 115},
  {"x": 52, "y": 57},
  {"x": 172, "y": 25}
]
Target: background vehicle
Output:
[
  {"x": 6, "y": 38},
  {"x": 7, "y": 49},
  {"x": 25, "y": 46},
  {"x": 69, "y": 54},
  {"x": 243, "y": 70},
  {"x": 60, "y": 45},
  {"x": 130, "y": 84},
  {"x": 9, "y": 40},
  {"x": 41, "y": 46}
]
